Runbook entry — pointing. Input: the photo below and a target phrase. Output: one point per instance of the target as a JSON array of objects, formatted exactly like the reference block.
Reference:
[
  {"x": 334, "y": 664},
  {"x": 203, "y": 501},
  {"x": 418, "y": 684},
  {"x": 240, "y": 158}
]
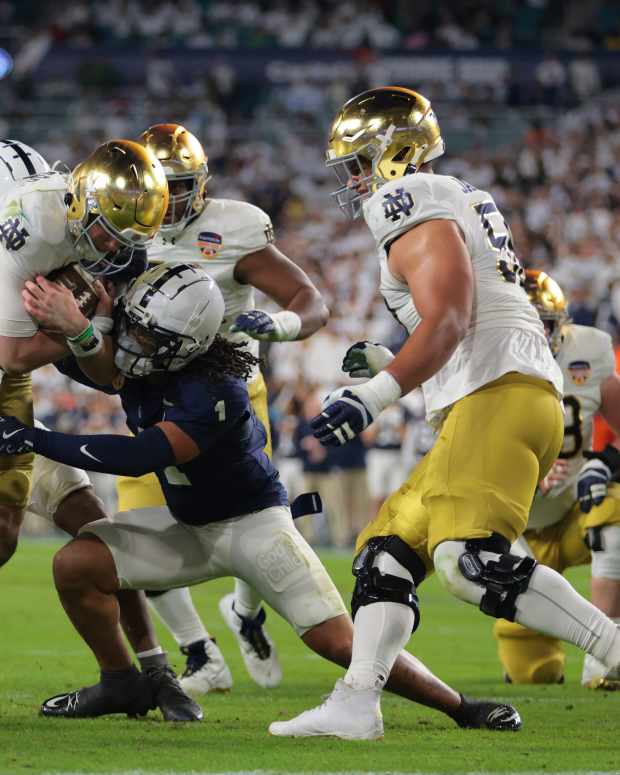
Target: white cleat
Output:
[
  {"x": 257, "y": 649},
  {"x": 596, "y": 675},
  {"x": 351, "y": 714},
  {"x": 206, "y": 670}
]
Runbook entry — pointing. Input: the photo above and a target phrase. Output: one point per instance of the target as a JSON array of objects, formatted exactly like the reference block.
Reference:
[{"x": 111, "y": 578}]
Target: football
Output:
[{"x": 81, "y": 285}]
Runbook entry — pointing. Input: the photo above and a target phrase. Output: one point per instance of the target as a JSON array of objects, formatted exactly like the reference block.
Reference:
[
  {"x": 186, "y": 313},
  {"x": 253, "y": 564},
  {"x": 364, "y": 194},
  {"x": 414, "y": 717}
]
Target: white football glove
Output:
[
  {"x": 350, "y": 410},
  {"x": 366, "y": 359}
]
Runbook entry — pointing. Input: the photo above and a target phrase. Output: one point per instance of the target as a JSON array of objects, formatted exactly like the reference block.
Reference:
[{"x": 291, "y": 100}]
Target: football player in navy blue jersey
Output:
[{"x": 183, "y": 390}]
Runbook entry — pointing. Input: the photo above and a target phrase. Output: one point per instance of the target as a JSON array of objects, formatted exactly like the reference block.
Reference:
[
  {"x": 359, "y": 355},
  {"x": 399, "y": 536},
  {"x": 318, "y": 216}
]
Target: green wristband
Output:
[{"x": 85, "y": 334}]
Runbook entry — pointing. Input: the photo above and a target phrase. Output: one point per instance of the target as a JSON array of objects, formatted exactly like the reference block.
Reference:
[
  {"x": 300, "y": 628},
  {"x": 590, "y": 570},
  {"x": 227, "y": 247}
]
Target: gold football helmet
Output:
[
  {"x": 185, "y": 164},
  {"x": 120, "y": 192},
  {"x": 380, "y": 135},
  {"x": 550, "y": 302}
]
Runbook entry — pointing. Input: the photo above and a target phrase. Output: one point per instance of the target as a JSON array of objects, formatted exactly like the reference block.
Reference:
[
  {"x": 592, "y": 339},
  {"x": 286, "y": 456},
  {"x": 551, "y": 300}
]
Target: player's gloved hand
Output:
[
  {"x": 366, "y": 359},
  {"x": 277, "y": 327},
  {"x": 348, "y": 411},
  {"x": 15, "y": 437},
  {"x": 595, "y": 475}
]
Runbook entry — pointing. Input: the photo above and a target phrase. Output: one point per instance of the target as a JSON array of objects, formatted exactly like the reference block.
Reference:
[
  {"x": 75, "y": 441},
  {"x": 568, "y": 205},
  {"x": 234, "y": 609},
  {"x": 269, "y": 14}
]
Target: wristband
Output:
[
  {"x": 379, "y": 392},
  {"x": 87, "y": 343},
  {"x": 287, "y": 324},
  {"x": 104, "y": 323}
]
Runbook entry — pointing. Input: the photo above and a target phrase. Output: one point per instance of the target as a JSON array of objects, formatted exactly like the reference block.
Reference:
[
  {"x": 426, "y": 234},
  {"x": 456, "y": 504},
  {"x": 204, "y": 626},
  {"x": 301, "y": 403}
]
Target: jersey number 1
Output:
[{"x": 500, "y": 239}]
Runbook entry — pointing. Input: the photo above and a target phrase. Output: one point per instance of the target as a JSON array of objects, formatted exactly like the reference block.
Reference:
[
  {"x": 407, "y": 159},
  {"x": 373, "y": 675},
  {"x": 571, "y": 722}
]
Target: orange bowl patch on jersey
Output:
[
  {"x": 209, "y": 243},
  {"x": 580, "y": 371}
]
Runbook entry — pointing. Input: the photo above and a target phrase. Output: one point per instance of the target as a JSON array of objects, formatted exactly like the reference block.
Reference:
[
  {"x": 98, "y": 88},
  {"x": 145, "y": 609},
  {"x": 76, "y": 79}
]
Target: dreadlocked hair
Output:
[{"x": 225, "y": 359}]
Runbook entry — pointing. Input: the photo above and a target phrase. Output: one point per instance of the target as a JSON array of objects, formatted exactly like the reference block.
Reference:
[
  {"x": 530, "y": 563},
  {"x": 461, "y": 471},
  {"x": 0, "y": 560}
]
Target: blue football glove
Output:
[
  {"x": 366, "y": 359},
  {"x": 16, "y": 438},
  {"x": 595, "y": 475},
  {"x": 279, "y": 327},
  {"x": 344, "y": 416}
]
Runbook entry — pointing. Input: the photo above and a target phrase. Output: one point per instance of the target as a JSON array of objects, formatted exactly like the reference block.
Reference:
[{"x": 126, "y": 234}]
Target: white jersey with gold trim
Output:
[
  {"x": 586, "y": 358},
  {"x": 225, "y": 232},
  {"x": 33, "y": 241},
  {"x": 505, "y": 333}
]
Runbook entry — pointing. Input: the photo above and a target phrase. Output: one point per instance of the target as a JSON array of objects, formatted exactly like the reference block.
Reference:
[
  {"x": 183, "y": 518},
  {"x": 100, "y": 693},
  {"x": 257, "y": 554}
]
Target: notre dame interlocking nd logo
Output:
[
  {"x": 12, "y": 234},
  {"x": 397, "y": 204}
]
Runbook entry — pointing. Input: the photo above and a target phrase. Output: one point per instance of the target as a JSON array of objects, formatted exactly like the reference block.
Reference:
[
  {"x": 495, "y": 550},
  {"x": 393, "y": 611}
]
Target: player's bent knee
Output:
[
  {"x": 84, "y": 562},
  {"x": 604, "y": 543},
  {"x": 483, "y": 572},
  {"x": 387, "y": 570},
  {"x": 528, "y": 657}
]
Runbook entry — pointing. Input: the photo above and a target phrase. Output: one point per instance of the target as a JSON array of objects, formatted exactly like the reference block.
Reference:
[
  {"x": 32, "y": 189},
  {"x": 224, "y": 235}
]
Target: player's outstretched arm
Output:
[
  {"x": 303, "y": 308},
  {"x": 163, "y": 445}
]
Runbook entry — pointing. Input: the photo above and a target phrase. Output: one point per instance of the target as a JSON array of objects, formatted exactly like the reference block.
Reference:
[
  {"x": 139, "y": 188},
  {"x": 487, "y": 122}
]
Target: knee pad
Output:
[
  {"x": 488, "y": 564},
  {"x": 604, "y": 543},
  {"x": 387, "y": 570}
]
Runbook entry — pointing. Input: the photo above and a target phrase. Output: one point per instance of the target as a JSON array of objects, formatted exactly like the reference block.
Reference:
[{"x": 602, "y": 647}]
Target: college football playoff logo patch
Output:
[
  {"x": 580, "y": 371},
  {"x": 209, "y": 243}
]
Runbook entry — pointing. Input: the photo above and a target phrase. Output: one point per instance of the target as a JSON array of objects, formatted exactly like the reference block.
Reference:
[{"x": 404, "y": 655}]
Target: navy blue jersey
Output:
[{"x": 233, "y": 475}]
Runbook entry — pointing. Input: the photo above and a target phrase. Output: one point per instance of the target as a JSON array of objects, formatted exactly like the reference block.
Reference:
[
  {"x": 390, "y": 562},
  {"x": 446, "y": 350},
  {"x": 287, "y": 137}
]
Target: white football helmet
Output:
[
  {"x": 19, "y": 161},
  {"x": 169, "y": 316}
]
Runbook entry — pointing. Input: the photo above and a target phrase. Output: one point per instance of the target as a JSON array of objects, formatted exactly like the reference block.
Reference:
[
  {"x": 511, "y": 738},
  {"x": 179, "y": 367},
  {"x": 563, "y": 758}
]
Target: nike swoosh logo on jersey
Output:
[
  {"x": 84, "y": 451},
  {"x": 6, "y": 435}
]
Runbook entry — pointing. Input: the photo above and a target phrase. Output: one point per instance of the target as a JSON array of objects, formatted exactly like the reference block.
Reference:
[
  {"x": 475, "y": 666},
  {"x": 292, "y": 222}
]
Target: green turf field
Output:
[{"x": 566, "y": 728}]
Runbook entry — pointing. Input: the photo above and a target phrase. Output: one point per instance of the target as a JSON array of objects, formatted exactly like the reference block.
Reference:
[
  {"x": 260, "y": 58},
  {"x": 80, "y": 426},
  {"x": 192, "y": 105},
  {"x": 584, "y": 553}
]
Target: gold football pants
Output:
[
  {"x": 527, "y": 656},
  {"x": 16, "y": 470},
  {"x": 145, "y": 491},
  {"x": 479, "y": 478}
]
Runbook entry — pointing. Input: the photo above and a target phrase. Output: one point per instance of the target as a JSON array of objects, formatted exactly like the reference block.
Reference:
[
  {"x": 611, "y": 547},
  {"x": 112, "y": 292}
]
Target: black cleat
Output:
[
  {"x": 496, "y": 716},
  {"x": 126, "y": 691},
  {"x": 170, "y": 698}
]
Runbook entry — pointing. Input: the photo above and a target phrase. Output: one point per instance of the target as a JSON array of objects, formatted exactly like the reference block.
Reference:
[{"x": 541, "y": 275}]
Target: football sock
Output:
[
  {"x": 552, "y": 606},
  {"x": 152, "y": 658},
  {"x": 247, "y": 601},
  {"x": 176, "y": 609},
  {"x": 381, "y": 631}
]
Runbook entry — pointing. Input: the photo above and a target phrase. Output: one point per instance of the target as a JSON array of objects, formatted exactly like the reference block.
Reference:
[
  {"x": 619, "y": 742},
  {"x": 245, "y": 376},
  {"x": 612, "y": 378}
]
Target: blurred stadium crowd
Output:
[
  {"x": 555, "y": 175},
  {"x": 385, "y": 24}
]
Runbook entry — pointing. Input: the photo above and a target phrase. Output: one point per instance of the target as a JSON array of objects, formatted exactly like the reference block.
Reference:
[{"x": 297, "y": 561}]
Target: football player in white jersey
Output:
[
  {"x": 46, "y": 222},
  {"x": 478, "y": 349},
  {"x": 101, "y": 215},
  {"x": 575, "y": 516},
  {"x": 234, "y": 242}
]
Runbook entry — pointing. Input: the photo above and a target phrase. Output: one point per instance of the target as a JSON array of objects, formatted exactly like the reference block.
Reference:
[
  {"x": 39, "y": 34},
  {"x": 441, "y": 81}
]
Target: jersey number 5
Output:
[{"x": 500, "y": 239}]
